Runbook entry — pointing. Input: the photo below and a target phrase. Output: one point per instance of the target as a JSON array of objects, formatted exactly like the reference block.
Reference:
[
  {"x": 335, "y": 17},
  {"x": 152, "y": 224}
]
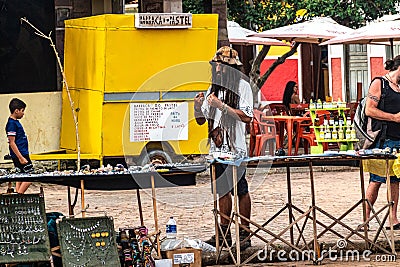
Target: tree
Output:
[{"x": 262, "y": 15}]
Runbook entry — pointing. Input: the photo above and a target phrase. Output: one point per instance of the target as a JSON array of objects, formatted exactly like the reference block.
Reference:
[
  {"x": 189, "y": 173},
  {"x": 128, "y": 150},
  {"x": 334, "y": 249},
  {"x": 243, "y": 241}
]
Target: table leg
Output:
[
  {"x": 289, "y": 129},
  {"x": 236, "y": 211},
  {"x": 316, "y": 245},
  {"x": 389, "y": 199},
  {"x": 153, "y": 195},
  {"x": 364, "y": 202},
  {"x": 281, "y": 126},
  {"x": 214, "y": 189},
  {"x": 83, "y": 198},
  {"x": 289, "y": 201},
  {"x": 139, "y": 202},
  {"x": 70, "y": 208}
]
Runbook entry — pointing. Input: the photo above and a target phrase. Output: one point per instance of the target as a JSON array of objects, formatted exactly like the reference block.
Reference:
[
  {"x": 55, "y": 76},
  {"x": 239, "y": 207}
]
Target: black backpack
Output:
[{"x": 370, "y": 131}]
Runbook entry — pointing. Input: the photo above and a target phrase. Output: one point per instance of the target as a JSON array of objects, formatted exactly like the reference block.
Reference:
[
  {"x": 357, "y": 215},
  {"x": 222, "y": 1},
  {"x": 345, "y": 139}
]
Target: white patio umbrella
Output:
[
  {"x": 384, "y": 32},
  {"x": 316, "y": 30},
  {"x": 238, "y": 35}
]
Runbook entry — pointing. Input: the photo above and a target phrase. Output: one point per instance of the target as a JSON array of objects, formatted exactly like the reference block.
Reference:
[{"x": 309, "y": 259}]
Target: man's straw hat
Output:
[{"x": 227, "y": 55}]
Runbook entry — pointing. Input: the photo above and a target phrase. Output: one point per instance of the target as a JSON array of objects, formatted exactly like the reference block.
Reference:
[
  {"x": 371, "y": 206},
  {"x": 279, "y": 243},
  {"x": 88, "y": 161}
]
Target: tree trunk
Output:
[
  {"x": 219, "y": 7},
  {"x": 256, "y": 79}
]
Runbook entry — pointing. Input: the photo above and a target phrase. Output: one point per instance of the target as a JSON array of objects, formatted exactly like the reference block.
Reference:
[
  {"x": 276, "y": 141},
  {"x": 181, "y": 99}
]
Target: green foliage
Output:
[
  {"x": 262, "y": 15},
  {"x": 350, "y": 13},
  {"x": 193, "y": 6}
]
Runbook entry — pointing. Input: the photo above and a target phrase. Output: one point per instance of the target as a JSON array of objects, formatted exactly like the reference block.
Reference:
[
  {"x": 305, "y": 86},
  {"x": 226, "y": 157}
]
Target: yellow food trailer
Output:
[{"x": 132, "y": 80}]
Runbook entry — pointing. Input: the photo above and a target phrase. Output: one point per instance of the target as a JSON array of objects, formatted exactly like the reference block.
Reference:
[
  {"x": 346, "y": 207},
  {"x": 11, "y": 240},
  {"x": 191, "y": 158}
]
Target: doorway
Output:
[{"x": 357, "y": 71}]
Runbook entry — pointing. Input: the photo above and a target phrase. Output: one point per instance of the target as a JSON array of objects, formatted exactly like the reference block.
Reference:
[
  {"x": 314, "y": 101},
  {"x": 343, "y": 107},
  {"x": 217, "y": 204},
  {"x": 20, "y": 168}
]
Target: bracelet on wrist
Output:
[{"x": 224, "y": 108}]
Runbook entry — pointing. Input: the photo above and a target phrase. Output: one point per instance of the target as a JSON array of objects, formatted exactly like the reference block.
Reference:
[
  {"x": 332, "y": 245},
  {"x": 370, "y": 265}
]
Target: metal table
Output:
[
  {"x": 166, "y": 176},
  {"x": 310, "y": 214}
]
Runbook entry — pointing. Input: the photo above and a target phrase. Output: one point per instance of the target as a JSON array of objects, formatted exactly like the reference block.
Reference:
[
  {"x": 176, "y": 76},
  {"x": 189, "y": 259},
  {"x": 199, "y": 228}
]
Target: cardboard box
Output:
[{"x": 184, "y": 257}]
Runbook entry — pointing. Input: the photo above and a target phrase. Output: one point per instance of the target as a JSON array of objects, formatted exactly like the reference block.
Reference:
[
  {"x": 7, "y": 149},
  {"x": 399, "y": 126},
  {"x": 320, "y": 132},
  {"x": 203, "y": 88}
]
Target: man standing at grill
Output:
[{"x": 227, "y": 107}]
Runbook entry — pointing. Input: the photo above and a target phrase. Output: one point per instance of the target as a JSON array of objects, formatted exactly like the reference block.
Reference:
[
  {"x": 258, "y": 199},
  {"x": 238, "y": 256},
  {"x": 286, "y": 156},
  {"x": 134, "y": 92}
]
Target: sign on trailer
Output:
[{"x": 163, "y": 20}]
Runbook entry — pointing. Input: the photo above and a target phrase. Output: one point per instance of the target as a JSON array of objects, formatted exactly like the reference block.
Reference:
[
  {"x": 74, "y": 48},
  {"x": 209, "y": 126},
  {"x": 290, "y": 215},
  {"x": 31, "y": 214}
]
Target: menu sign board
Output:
[
  {"x": 159, "y": 121},
  {"x": 163, "y": 20}
]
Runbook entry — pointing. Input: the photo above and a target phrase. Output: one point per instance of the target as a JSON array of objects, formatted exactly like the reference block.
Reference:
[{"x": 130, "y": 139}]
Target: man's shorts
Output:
[
  {"x": 380, "y": 179},
  {"x": 224, "y": 180},
  {"x": 24, "y": 168}
]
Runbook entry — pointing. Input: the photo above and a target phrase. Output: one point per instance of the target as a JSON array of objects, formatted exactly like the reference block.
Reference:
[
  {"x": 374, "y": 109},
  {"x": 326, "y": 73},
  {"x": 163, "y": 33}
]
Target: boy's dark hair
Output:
[{"x": 16, "y": 103}]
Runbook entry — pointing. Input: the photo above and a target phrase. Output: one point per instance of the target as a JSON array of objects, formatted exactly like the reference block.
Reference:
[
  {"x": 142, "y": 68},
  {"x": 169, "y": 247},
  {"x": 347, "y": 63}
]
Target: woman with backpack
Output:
[{"x": 385, "y": 89}]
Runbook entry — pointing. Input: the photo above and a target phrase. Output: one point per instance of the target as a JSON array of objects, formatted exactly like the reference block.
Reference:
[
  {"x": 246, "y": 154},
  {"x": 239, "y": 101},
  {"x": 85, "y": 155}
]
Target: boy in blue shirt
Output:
[{"x": 18, "y": 142}]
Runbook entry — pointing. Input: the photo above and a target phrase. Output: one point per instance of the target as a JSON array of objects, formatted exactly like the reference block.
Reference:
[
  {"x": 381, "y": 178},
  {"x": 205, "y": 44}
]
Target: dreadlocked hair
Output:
[{"x": 228, "y": 81}]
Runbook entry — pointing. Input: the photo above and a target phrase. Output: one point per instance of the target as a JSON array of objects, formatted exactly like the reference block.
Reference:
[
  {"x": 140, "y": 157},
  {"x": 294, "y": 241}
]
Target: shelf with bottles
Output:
[
  {"x": 328, "y": 109},
  {"x": 338, "y": 105},
  {"x": 332, "y": 124},
  {"x": 337, "y": 140},
  {"x": 333, "y": 133}
]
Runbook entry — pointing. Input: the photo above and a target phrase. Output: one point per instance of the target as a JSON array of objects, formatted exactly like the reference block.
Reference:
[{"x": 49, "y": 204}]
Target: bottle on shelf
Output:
[
  {"x": 340, "y": 133},
  {"x": 348, "y": 133},
  {"x": 321, "y": 132},
  {"x": 326, "y": 122},
  {"x": 316, "y": 122},
  {"x": 341, "y": 120},
  {"x": 331, "y": 121},
  {"x": 353, "y": 133},
  {"x": 339, "y": 103},
  {"x": 328, "y": 134},
  {"x": 312, "y": 104},
  {"x": 336, "y": 120},
  {"x": 348, "y": 121},
  {"x": 334, "y": 133},
  {"x": 318, "y": 104},
  {"x": 171, "y": 229}
]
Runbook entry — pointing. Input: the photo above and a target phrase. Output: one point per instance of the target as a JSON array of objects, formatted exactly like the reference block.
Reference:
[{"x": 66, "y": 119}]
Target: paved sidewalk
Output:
[{"x": 192, "y": 206}]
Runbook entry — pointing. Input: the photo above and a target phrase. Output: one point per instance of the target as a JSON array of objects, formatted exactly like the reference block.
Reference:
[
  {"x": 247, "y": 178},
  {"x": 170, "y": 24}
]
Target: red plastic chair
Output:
[
  {"x": 305, "y": 132},
  {"x": 264, "y": 133},
  {"x": 278, "y": 109},
  {"x": 298, "y": 109}
]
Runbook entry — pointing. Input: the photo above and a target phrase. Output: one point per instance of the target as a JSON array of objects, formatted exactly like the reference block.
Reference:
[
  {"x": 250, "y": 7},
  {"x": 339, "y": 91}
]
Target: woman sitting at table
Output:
[{"x": 290, "y": 95}]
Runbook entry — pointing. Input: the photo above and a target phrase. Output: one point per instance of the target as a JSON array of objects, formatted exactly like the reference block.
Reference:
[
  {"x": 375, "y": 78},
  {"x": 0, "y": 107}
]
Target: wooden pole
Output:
[
  {"x": 70, "y": 208},
  {"x": 389, "y": 199},
  {"x": 289, "y": 203},
  {"x": 83, "y": 198},
  {"x": 236, "y": 216},
  {"x": 139, "y": 201},
  {"x": 314, "y": 214},
  {"x": 364, "y": 202},
  {"x": 153, "y": 195},
  {"x": 214, "y": 189}
]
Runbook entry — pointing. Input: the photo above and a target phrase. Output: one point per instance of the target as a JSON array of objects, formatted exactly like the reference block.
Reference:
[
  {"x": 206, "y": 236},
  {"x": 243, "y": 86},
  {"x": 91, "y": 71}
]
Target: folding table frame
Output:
[{"x": 311, "y": 213}]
